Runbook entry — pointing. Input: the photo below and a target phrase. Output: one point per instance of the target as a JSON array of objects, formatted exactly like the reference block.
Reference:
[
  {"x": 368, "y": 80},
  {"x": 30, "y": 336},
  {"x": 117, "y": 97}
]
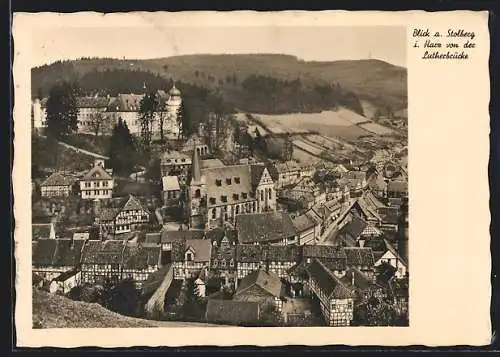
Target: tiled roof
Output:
[
  {"x": 133, "y": 204},
  {"x": 141, "y": 257},
  {"x": 302, "y": 223},
  {"x": 217, "y": 234},
  {"x": 323, "y": 251},
  {"x": 58, "y": 179},
  {"x": 108, "y": 214},
  {"x": 359, "y": 257},
  {"x": 281, "y": 253},
  {"x": 269, "y": 282},
  {"x": 273, "y": 172},
  {"x": 361, "y": 281},
  {"x": 231, "y": 311},
  {"x": 107, "y": 252},
  {"x": 202, "y": 249},
  {"x": 153, "y": 238},
  {"x": 355, "y": 227},
  {"x": 211, "y": 164},
  {"x": 178, "y": 250},
  {"x": 174, "y": 236},
  {"x": 97, "y": 173},
  {"x": 397, "y": 186},
  {"x": 247, "y": 253},
  {"x": 328, "y": 283},
  {"x": 126, "y": 103},
  {"x": 92, "y": 102},
  {"x": 288, "y": 166},
  {"x": 45, "y": 252},
  {"x": 170, "y": 183},
  {"x": 264, "y": 227},
  {"x": 68, "y": 252}
]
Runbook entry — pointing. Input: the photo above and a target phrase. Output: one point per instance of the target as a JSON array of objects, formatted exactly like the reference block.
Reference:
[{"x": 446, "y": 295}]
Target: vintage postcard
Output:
[{"x": 277, "y": 175}]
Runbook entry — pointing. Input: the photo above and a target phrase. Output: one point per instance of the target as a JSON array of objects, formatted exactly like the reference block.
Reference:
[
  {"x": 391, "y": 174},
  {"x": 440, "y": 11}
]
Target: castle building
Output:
[
  {"x": 125, "y": 106},
  {"x": 216, "y": 194}
]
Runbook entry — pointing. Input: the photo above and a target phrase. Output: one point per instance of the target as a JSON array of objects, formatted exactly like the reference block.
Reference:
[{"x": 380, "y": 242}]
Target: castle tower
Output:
[
  {"x": 196, "y": 194},
  {"x": 172, "y": 106}
]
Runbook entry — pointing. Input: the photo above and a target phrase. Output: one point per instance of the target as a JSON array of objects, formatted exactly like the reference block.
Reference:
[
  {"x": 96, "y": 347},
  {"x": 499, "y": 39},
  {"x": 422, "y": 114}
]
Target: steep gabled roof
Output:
[
  {"x": 202, "y": 249},
  {"x": 45, "y": 252},
  {"x": 267, "y": 281},
  {"x": 264, "y": 227},
  {"x": 359, "y": 256},
  {"x": 58, "y": 179},
  {"x": 328, "y": 283},
  {"x": 97, "y": 173}
]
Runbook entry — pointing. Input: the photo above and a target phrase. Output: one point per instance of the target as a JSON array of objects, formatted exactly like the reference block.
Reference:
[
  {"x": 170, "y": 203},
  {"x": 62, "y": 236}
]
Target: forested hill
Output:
[{"x": 257, "y": 83}]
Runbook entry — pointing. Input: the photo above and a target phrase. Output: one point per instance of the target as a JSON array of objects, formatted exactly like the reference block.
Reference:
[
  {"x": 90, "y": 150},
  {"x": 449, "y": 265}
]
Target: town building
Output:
[
  {"x": 97, "y": 183},
  {"x": 139, "y": 261},
  {"x": 171, "y": 190},
  {"x": 190, "y": 257},
  {"x": 129, "y": 216},
  {"x": 92, "y": 116},
  {"x": 305, "y": 192},
  {"x": 393, "y": 258},
  {"x": 101, "y": 261},
  {"x": 360, "y": 258},
  {"x": 265, "y": 228},
  {"x": 58, "y": 185},
  {"x": 223, "y": 252},
  {"x": 175, "y": 163},
  {"x": 168, "y": 239},
  {"x": 216, "y": 195},
  {"x": 335, "y": 299},
  {"x": 263, "y": 287},
  {"x": 286, "y": 173},
  {"x": 65, "y": 282},
  {"x": 52, "y": 257}
]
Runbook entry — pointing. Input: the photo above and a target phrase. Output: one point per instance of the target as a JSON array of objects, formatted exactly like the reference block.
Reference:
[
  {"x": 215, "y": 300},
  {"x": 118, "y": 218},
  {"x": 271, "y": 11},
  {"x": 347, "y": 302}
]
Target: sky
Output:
[{"x": 308, "y": 43}]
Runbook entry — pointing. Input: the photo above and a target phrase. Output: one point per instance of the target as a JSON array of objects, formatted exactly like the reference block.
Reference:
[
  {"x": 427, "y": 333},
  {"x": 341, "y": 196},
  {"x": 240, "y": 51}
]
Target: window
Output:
[
  {"x": 245, "y": 195},
  {"x": 212, "y": 200},
  {"x": 214, "y": 264},
  {"x": 197, "y": 193},
  {"x": 228, "y": 181},
  {"x": 262, "y": 195},
  {"x": 223, "y": 263},
  {"x": 225, "y": 217},
  {"x": 253, "y": 206},
  {"x": 237, "y": 209},
  {"x": 270, "y": 193},
  {"x": 223, "y": 198},
  {"x": 236, "y": 197},
  {"x": 237, "y": 180},
  {"x": 218, "y": 182},
  {"x": 214, "y": 212},
  {"x": 231, "y": 263},
  {"x": 225, "y": 208},
  {"x": 189, "y": 257}
]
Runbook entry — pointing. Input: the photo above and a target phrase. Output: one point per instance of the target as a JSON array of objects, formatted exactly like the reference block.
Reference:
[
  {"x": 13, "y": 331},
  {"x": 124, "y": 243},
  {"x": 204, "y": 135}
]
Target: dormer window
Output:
[
  {"x": 236, "y": 197},
  {"x": 237, "y": 180},
  {"x": 223, "y": 198},
  {"x": 218, "y": 182},
  {"x": 228, "y": 181},
  {"x": 189, "y": 256}
]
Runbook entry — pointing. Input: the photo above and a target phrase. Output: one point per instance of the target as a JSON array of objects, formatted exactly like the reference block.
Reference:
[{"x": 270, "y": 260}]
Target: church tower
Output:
[{"x": 196, "y": 194}]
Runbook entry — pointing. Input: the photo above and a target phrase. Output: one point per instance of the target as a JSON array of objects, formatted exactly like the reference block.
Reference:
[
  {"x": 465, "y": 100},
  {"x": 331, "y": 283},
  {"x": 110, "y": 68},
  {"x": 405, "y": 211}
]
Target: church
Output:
[{"x": 217, "y": 193}]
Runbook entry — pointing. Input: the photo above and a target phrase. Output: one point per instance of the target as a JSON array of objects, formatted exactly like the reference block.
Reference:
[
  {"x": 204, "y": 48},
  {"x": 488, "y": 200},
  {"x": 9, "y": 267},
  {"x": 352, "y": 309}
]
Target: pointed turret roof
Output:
[{"x": 196, "y": 167}]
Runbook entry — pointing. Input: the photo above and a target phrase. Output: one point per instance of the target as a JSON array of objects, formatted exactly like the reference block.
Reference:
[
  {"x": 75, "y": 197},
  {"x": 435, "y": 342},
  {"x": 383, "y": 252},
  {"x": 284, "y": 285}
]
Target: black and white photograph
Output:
[{"x": 194, "y": 176}]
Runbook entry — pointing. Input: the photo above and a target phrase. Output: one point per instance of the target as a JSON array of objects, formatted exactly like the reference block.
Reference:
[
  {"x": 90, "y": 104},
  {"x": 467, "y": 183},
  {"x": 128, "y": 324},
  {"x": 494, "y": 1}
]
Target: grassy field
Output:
[
  {"x": 53, "y": 311},
  {"x": 47, "y": 154}
]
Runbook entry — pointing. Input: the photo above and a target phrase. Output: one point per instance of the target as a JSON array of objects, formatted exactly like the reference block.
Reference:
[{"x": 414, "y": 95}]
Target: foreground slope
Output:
[{"x": 53, "y": 311}]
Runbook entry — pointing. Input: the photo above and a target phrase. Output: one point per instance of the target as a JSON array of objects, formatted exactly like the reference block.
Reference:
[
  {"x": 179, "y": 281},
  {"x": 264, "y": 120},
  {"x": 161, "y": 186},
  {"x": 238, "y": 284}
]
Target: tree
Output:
[
  {"x": 153, "y": 172},
  {"x": 183, "y": 120},
  {"x": 374, "y": 312},
  {"x": 148, "y": 108},
  {"x": 122, "y": 150},
  {"x": 97, "y": 122},
  {"x": 62, "y": 111}
]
